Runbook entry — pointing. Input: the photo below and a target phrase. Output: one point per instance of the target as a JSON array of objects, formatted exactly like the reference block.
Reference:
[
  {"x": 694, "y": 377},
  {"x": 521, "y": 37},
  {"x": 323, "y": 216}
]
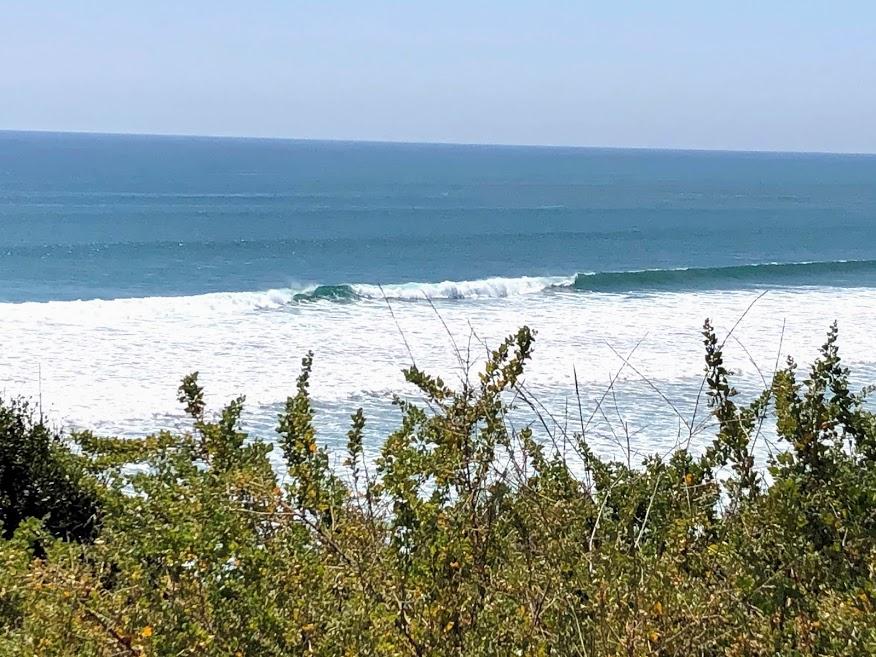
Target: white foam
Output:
[
  {"x": 488, "y": 288},
  {"x": 117, "y": 364},
  {"x": 222, "y": 302}
]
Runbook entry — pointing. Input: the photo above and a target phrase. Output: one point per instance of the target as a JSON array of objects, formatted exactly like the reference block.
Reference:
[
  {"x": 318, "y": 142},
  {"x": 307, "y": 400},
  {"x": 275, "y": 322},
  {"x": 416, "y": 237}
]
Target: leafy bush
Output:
[
  {"x": 466, "y": 536},
  {"x": 40, "y": 478}
]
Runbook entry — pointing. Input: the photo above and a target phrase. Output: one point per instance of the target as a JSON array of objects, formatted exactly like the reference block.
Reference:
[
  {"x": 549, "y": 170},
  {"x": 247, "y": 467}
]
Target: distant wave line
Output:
[
  {"x": 837, "y": 273},
  {"x": 682, "y": 278}
]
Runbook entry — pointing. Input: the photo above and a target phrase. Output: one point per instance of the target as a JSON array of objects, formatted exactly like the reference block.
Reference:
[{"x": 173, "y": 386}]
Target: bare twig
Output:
[{"x": 397, "y": 325}]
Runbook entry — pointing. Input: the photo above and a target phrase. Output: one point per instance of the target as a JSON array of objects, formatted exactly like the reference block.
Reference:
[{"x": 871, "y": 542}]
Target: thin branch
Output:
[
  {"x": 650, "y": 384},
  {"x": 648, "y": 512},
  {"x": 397, "y": 325}
]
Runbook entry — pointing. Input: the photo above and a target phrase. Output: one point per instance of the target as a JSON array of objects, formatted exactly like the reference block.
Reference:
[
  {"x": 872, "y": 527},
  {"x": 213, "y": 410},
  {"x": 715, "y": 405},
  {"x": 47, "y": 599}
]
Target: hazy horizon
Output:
[{"x": 399, "y": 142}]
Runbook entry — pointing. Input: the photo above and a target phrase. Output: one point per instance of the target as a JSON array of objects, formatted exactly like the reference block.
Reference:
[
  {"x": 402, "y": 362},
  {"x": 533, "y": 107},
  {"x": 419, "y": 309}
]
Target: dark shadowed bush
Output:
[{"x": 40, "y": 478}]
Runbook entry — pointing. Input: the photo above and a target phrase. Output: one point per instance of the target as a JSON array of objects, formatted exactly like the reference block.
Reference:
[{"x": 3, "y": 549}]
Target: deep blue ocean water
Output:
[
  {"x": 99, "y": 216},
  {"x": 127, "y": 262}
]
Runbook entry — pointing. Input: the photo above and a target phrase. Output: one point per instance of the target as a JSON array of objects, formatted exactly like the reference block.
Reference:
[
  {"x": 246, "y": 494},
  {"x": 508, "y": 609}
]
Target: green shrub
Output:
[{"x": 467, "y": 536}]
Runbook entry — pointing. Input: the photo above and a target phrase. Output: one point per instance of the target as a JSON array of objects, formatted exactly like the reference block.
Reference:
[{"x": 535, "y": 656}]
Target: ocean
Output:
[{"x": 128, "y": 261}]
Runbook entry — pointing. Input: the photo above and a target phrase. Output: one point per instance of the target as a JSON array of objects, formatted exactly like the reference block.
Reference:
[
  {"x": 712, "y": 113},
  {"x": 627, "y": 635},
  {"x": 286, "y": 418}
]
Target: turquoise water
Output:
[{"x": 128, "y": 261}]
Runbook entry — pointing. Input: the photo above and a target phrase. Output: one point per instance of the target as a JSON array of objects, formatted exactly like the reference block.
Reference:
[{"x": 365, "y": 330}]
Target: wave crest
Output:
[
  {"x": 851, "y": 273},
  {"x": 835, "y": 273},
  {"x": 839, "y": 273},
  {"x": 487, "y": 288}
]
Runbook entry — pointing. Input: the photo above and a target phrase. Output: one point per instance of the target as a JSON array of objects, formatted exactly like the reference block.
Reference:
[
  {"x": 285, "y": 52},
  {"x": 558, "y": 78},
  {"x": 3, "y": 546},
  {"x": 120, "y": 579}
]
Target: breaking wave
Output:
[{"x": 852, "y": 273}]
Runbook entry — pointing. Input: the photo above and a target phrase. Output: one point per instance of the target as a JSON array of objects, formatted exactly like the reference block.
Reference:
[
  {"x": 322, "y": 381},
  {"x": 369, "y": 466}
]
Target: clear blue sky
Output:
[{"x": 766, "y": 74}]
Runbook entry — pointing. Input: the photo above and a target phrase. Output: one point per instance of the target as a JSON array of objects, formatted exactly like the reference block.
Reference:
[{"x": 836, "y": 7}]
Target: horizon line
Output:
[{"x": 449, "y": 143}]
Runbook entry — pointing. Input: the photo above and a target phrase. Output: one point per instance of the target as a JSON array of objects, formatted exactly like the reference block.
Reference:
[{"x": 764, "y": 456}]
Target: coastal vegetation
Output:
[{"x": 466, "y": 535}]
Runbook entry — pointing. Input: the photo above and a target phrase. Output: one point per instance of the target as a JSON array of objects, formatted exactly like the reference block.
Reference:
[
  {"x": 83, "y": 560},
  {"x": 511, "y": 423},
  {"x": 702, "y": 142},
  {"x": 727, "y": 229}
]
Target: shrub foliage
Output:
[{"x": 465, "y": 536}]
